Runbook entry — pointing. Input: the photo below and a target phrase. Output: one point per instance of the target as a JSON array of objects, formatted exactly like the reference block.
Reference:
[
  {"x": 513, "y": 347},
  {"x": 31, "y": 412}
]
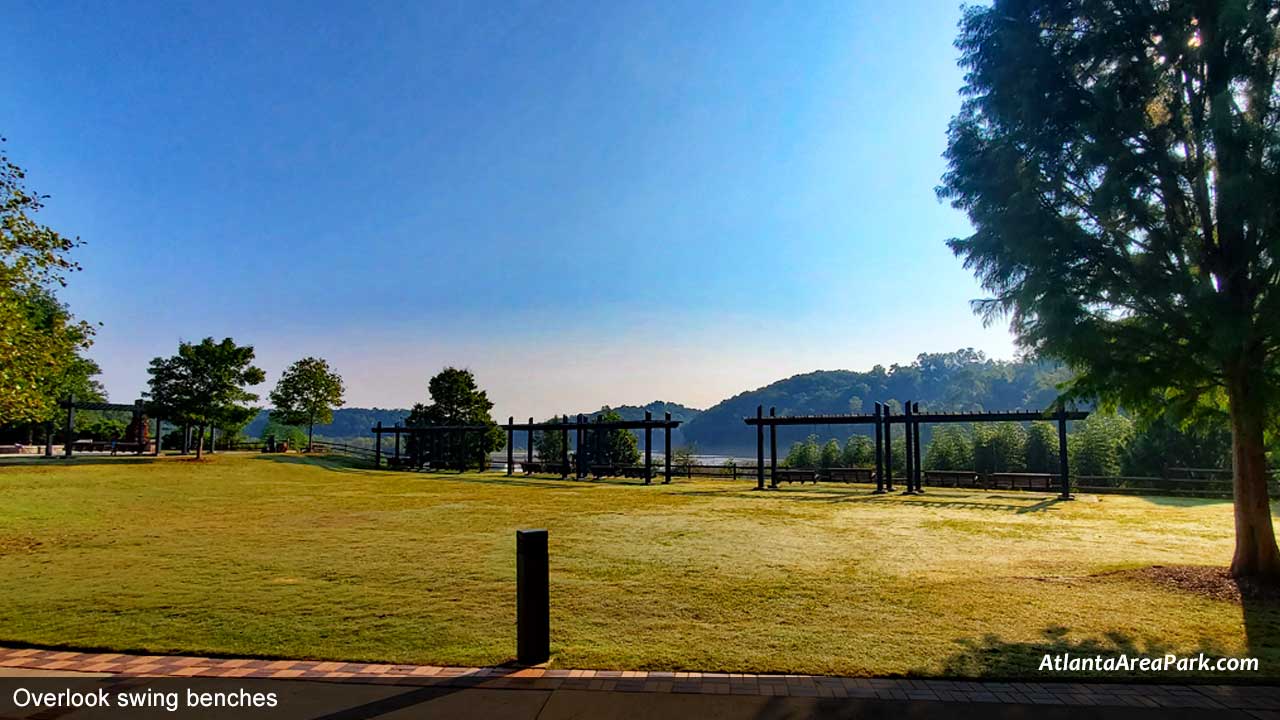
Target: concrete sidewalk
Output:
[{"x": 358, "y": 691}]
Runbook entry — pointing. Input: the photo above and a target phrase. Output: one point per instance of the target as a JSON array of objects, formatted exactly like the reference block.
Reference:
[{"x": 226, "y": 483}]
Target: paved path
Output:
[{"x": 550, "y": 693}]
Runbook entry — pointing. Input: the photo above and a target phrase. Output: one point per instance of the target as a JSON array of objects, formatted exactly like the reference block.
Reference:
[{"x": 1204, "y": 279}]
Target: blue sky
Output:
[{"x": 583, "y": 202}]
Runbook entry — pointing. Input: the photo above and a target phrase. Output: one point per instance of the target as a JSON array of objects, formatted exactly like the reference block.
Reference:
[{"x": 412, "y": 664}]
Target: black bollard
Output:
[{"x": 533, "y": 598}]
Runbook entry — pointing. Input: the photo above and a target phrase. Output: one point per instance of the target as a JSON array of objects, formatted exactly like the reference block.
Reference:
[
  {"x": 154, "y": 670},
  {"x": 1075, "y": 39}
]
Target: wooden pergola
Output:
[
  {"x": 591, "y": 434},
  {"x": 137, "y": 408},
  {"x": 429, "y": 442},
  {"x": 911, "y": 419}
]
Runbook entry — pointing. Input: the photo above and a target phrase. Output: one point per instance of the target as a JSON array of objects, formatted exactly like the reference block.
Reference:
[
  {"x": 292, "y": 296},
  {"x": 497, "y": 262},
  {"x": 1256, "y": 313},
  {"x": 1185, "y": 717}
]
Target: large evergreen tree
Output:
[
  {"x": 456, "y": 400},
  {"x": 1120, "y": 163}
]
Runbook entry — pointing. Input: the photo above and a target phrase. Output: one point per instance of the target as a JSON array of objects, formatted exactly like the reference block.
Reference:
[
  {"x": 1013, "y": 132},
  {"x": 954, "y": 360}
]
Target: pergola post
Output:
[
  {"x": 906, "y": 438},
  {"x": 48, "y": 439},
  {"x": 915, "y": 435},
  {"x": 564, "y": 449},
  {"x": 71, "y": 419},
  {"x": 888, "y": 448},
  {"x": 155, "y": 450},
  {"x": 879, "y": 414},
  {"x": 648, "y": 447},
  {"x": 528, "y": 444},
  {"x": 1064, "y": 476},
  {"x": 397, "y": 460},
  {"x": 140, "y": 422},
  {"x": 597, "y": 443},
  {"x": 760, "y": 447},
  {"x": 773, "y": 449},
  {"x": 580, "y": 455},
  {"x": 377, "y": 445},
  {"x": 511, "y": 436},
  {"x": 666, "y": 454}
]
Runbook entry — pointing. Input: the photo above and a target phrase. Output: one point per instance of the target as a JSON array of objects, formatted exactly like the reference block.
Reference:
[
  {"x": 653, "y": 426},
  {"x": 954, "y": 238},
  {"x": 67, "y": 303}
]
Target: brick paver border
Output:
[{"x": 1239, "y": 697}]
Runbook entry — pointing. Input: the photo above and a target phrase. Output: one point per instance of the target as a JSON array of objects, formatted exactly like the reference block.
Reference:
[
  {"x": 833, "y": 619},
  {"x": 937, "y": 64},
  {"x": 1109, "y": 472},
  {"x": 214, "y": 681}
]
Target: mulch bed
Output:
[{"x": 1207, "y": 581}]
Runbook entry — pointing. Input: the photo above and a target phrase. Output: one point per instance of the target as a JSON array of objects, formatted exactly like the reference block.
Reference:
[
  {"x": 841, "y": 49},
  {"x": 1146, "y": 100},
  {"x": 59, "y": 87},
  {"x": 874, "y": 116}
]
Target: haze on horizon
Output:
[{"x": 586, "y": 205}]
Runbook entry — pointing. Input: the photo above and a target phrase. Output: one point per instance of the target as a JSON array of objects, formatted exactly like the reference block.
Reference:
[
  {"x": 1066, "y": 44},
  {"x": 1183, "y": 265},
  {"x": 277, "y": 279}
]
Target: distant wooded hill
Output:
[
  {"x": 965, "y": 380},
  {"x": 347, "y": 422},
  {"x": 636, "y": 412}
]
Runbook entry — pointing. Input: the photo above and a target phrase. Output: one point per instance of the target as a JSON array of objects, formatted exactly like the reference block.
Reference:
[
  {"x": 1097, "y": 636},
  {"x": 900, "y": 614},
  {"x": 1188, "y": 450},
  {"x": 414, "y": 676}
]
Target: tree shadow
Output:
[
  {"x": 34, "y": 461},
  {"x": 555, "y": 481},
  {"x": 1176, "y": 500},
  {"x": 973, "y": 500},
  {"x": 991, "y": 657},
  {"x": 323, "y": 462}
]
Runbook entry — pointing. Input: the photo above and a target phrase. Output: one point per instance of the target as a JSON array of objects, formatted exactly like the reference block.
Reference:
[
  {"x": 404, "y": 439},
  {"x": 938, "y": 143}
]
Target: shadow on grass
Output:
[
  {"x": 975, "y": 500},
  {"x": 991, "y": 657},
  {"x": 339, "y": 463},
  {"x": 554, "y": 481},
  {"x": 60, "y": 461},
  {"x": 1176, "y": 501},
  {"x": 336, "y": 463}
]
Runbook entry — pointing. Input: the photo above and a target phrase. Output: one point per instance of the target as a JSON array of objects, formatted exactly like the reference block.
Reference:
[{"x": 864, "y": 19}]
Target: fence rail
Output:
[{"x": 354, "y": 451}]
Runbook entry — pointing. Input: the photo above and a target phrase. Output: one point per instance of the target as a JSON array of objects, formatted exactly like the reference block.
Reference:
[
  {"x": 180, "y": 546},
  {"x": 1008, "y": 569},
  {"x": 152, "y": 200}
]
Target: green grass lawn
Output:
[{"x": 282, "y": 556}]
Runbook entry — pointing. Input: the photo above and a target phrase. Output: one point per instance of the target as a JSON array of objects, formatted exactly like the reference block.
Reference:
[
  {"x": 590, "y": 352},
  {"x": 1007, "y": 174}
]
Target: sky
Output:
[{"x": 584, "y": 203}]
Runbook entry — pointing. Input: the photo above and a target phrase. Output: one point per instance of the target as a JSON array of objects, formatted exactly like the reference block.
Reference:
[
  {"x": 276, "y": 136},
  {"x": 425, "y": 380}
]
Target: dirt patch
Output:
[{"x": 1206, "y": 581}]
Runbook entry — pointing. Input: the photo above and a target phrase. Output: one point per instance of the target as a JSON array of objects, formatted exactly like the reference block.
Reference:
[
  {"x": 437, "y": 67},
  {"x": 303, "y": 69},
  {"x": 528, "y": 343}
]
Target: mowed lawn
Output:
[{"x": 289, "y": 557}]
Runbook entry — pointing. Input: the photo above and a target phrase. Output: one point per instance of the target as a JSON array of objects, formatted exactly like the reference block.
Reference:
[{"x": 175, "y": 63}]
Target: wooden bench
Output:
[
  {"x": 531, "y": 466},
  {"x": 800, "y": 476},
  {"x": 860, "y": 475},
  {"x": 952, "y": 478},
  {"x": 1022, "y": 481}
]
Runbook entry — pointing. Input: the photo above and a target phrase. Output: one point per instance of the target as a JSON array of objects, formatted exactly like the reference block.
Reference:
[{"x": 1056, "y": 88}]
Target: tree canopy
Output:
[
  {"x": 1119, "y": 163},
  {"x": 456, "y": 400},
  {"x": 619, "y": 447},
  {"x": 204, "y": 384},
  {"x": 306, "y": 394},
  {"x": 41, "y": 343}
]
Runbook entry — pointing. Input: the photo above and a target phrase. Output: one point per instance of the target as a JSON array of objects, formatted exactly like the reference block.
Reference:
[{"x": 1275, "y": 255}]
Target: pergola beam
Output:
[{"x": 1010, "y": 416}]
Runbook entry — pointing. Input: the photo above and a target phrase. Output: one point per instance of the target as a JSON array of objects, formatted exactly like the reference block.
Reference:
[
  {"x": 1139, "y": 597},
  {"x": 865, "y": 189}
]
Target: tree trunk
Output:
[
  {"x": 310, "y": 431},
  {"x": 200, "y": 443},
  {"x": 1256, "y": 553}
]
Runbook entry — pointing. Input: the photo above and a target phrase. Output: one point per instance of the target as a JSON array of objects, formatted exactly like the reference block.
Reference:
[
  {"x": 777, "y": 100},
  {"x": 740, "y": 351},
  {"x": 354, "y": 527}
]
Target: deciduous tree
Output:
[
  {"x": 306, "y": 394},
  {"x": 205, "y": 385},
  {"x": 1042, "y": 448},
  {"x": 859, "y": 451},
  {"x": 41, "y": 343},
  {"x": 830, "y": 455},
  {"x": 619, "y": 447}
]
